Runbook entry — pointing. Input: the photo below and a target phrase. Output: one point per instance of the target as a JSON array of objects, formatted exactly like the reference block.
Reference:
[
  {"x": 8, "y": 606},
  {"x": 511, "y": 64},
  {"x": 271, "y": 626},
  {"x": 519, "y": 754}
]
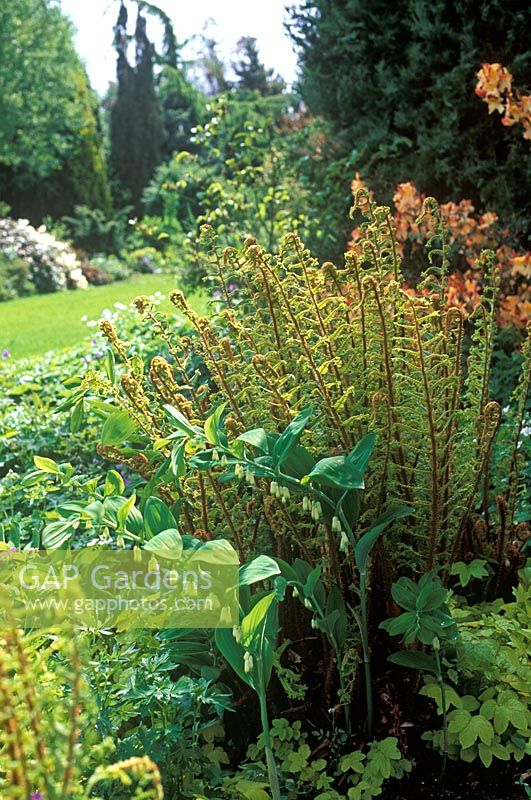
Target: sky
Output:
[{"x": 227, "y": 21}]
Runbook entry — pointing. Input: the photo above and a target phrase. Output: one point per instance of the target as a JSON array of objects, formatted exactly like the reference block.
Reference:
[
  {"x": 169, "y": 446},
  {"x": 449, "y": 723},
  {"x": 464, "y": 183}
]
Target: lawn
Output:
[{"x": 33, "y": 325}]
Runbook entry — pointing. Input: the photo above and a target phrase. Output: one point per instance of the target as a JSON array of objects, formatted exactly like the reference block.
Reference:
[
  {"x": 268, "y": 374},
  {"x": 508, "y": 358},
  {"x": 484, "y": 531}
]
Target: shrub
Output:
[
  {"x": 114, "y": 266},
  {"x": 145, "y": 259},
  {"x": 14, "y": 277},
  {"x": 95, "y": 275},
  {"x": 468, "y": 235},
  {"x": 95, "y": 231},
  {"x": 377, "y": 72},
  {"x": 257, "y": 166},
  {"x": 53, "y": 265}
]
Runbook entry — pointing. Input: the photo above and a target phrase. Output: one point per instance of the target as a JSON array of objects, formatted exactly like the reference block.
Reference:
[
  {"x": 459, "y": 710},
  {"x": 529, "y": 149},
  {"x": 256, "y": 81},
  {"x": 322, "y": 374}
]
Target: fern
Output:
[{"x": 368, "y": 355}]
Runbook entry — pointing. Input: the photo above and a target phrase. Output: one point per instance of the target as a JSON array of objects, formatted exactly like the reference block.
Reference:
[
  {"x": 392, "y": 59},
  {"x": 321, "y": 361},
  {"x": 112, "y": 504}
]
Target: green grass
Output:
[{"x": 33, "y": 325}]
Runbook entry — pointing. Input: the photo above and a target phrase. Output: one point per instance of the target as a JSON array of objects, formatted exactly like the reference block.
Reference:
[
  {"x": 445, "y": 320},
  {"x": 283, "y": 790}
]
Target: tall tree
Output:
[
  {"x": 51, "y": 156},
  {"x": 137, "y": 128},
  {"x": 252, "y": 73},
  {"x": 213, "y": 68},
  {"x": 397, "y": 81}
]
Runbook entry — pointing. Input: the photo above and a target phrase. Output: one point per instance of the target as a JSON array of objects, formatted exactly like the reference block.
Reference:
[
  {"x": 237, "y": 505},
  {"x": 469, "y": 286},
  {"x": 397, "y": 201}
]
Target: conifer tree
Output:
[
  {"x": 397, "y": 82},
  {"x": 137, "y": 129},
  {"x": 252, "y": 73}
]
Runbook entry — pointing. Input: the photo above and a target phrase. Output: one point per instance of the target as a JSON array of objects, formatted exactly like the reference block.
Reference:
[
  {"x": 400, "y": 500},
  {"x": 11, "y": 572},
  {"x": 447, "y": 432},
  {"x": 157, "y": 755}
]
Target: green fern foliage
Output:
[{"x": 367, "y": 354}]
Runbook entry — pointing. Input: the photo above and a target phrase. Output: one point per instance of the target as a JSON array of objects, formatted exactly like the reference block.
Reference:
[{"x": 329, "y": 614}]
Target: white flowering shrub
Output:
[{"x": 53, "y": 265}]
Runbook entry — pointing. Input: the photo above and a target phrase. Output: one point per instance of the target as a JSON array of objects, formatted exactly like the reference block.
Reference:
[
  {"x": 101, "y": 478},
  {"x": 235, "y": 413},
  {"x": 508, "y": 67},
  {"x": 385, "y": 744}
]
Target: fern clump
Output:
[{"x": 369, "y": 355}]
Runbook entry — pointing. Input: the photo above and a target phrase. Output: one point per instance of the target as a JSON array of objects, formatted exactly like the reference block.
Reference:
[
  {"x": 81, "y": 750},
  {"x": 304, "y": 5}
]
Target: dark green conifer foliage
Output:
[
  {"x": 252, "y": 73},
  {"x": 397, "y": 80},
  {"x": 137, "y": 129}
]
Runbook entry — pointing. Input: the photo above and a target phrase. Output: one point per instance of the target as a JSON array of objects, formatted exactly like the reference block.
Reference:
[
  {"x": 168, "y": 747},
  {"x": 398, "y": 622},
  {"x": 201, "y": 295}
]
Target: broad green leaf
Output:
[
  {"x": 168, "y": 543},
  {"x": 362, "y": 452},
  {"x": 122, "y": 513},
  {"x": 118, "y": 427},
  {"x": 477, "y": 728},
  {"x": 501, "y": 719},
  {"x": 287, "y": 571},
  {"x": 253, "y": 790},
  {"x": 110, "y": 365},
  {"x": 485, "y": 754},
  {"x": 458, "y": 720},
  {"x": 253, "y": 623},
  {"x": 57, "y": 533},
  {"x": 488, "y": 709},
  {"x": 258, "y": 569},
  {"x": 336, "y": 602},
  {"x": 327, "y": 624},
  {"x": 414, "y": 659},
  {"x": 233, "y": 654},
  {"x": 290, "y": 436},
  {"x": 77, "y": 417},
  {"x": 311, "y": 581},
  {"x": 114, "y": 483},
  {"x": 404, "y": 593},
  {"x": 400, "y": 624},
  {"x": 181, "y": 422},
  {"x": 177, "y": 460},
  {"x": 256, "y": 438},
  {"x": 389, "y": 748},
  {"x": 213, "y": 431},
  {"x": 336, "y": 472},
  {"x": 430, "y": 599},
  {"x": 157, "y": 517},
  {"x": 47, "y": 465}
]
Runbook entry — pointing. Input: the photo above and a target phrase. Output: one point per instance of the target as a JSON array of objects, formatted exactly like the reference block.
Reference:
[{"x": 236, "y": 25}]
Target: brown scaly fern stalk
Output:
[
  {"x": 434, "y": 455},
  {"x": 491, "y": 423}
]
